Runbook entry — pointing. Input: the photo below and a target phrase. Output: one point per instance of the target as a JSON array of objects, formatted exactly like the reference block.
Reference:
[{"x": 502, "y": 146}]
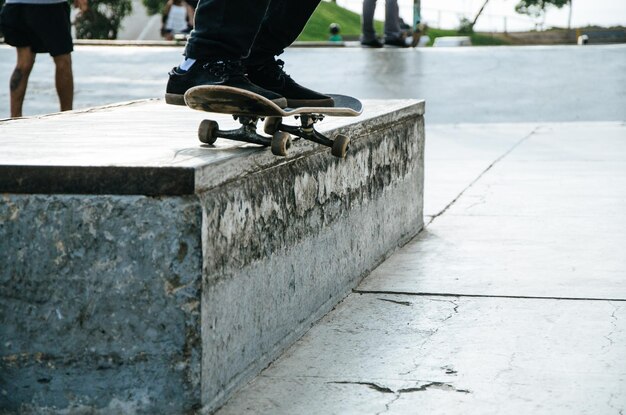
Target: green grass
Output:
[
  {"x": 327, "y": 13},
  {"x": 350, "y": 22},
  {"x": 478, "y": 39}
]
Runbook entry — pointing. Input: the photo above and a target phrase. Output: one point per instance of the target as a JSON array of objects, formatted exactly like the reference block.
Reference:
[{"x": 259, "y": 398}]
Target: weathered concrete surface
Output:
[
  {"x": 99, "y": 302},
  {"x": 262, "y": 247},
  {"x": 543, "y": 219},
  {"x": 518, "y": 226},
  {"x": 398, "y": 354},
  {"x": 285, "y": 256}
]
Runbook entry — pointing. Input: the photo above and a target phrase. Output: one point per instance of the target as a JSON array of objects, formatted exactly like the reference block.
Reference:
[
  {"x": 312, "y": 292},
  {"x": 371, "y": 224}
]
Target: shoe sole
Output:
[{"x": 177, "y": 99}]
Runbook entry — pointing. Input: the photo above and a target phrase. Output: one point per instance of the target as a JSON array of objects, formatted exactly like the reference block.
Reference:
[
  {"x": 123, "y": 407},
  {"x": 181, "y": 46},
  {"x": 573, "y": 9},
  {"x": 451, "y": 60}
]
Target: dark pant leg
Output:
[
  {"x": 284, "y": 21},
  {"x": 226, "y": 28}
]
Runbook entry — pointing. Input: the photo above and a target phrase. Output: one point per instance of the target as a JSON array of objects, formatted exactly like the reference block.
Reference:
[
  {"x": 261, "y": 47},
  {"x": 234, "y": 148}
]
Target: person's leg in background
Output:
[
  {"x": 19, "y": 79},
  {"x": 368, "y": 32},
  {"x": 393, "y": 32},
  {"x": 64, "y": 80},
  {"x": 392, "y": 20}
]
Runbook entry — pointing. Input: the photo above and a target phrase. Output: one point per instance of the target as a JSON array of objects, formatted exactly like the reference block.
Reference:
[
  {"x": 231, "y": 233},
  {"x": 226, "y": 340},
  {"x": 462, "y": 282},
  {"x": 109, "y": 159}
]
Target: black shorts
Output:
[{"x": 43, "y": 27}]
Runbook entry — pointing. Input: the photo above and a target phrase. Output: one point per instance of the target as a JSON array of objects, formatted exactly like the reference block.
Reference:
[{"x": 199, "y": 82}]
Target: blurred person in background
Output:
[
  {"x": 40, "y": 26},
  {"x": 177, "y": 19},
  {"x": 393, "y": 33}
]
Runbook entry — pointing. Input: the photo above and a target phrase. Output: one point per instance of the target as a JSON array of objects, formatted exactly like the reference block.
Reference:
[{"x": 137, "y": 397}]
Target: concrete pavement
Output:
[
  {"x": 512, "y": 298},
  {"x": 511, "y": 301},
  {"x": 470, "y": 85}
]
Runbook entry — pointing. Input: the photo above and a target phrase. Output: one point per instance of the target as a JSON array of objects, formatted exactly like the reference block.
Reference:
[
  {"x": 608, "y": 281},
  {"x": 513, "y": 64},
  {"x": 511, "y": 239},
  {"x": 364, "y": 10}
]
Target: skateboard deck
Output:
[
  {"x": 248, "y": 108},
  {"x": 228, "y": 100}
]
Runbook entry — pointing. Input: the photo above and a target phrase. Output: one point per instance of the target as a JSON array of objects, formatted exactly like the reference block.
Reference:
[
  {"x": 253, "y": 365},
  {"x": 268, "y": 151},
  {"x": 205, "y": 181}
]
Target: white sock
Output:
[{"x": 186, "y": 64}]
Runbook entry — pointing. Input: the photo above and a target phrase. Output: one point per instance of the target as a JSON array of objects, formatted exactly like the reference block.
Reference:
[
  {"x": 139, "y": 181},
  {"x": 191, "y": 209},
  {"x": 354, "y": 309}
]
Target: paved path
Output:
[
  {"x": 511, "y": 301},
  {"x": 476, "y": 85}
]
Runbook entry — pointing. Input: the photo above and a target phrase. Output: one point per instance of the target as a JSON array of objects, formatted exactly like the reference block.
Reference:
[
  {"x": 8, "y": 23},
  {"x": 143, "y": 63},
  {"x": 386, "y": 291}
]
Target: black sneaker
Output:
[
  {"x": 371, "y": 43},
  {"x": 218, "y": 72},
  {"x": 271, "y": 76},
  {"x": 396, "y": 42}
]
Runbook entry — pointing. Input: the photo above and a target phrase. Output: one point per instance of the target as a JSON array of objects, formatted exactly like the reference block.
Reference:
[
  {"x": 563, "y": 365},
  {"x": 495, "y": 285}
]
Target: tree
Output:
[
  {"x": 537, "y": 8},
  {"x": 467, "y": 27},
  {"x": 103, "y": 19},
  {"x": 154, "y": 6}
]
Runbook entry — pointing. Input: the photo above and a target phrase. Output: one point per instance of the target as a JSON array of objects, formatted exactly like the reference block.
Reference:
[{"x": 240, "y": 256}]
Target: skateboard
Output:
[{"x": 249, "y": 108}]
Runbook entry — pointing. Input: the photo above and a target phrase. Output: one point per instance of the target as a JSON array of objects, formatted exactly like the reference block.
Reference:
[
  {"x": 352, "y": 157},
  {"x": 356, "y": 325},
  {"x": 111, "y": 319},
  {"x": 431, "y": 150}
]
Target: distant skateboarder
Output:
[
  {"x": 235, "y": 43},
  {"x": 39, "y": 26}
]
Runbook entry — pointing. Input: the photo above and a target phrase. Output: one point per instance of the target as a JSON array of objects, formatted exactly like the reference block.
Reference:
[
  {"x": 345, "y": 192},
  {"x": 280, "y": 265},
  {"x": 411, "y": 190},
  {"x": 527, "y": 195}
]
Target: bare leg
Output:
[
  {"x": 64, "y": 80},
  {"x": 19, "y": 79}
]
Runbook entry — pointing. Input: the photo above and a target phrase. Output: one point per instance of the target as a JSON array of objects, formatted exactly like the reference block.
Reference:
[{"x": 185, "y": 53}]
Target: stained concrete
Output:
[
  {"x": 151, "y": 148},
  {"x": 127, "y": 292},
  {"x": 511, "y": 300},
  {"x": 99, "y": 302}
]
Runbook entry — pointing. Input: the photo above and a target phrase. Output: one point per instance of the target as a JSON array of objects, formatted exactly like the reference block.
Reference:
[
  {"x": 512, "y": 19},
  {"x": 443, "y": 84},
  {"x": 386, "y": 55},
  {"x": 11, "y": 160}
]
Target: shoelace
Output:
[
  {"x": 276, "y": 70},
  {"x": 225, "y": 68}
]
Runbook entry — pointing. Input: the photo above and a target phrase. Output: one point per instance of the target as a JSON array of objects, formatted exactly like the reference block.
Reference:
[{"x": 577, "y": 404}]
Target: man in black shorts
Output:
[
  {"x": 235, "y": 43},
  {"x": 39, "y": 26}
]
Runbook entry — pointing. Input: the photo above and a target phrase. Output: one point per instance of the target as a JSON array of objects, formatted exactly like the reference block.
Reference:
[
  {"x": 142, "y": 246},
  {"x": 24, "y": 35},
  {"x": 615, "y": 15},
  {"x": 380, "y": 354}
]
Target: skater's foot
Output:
[
  {"x": 271, "y": 75},
  {"x": 220, "y": 72},
  {"x": 374, "y": 43},
  {"x": 397, "y": 42}
]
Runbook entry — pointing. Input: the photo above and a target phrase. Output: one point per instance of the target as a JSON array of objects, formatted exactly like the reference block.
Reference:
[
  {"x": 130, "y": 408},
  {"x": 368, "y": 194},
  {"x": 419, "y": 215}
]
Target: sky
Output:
[{"x": 446, "y": 13}]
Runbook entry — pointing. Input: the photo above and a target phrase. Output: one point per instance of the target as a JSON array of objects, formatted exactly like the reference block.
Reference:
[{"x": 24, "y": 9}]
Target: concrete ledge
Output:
[{"x": 165, "y": 303}]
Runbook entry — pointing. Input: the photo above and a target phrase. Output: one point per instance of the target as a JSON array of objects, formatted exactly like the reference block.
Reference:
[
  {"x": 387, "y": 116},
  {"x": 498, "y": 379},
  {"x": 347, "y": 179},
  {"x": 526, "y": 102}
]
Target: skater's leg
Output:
[
  {"x": 224, "y": 33},
  {"x": 225, "y": 28},
  {"x": 283, "y": 23}
]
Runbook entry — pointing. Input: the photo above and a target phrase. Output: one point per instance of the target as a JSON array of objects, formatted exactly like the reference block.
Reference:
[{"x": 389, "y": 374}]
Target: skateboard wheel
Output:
[
  {"x": 340, "y": 146},
  {"x": 207, "y": 132},
  {"x": 281, "y": 142},
  {"x": 271, "y": 125}
]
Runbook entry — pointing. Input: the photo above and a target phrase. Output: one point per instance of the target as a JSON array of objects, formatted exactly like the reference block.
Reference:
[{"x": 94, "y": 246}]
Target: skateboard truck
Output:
[
  {"x": 280, "y": 140},
  {"x": 248, "y": 108},
  {"x": 339, "y": 146},
  {"x": 209, "y": 131}
]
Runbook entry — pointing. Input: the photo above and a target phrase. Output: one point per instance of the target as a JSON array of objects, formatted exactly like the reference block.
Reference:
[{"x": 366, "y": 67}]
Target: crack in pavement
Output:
[
  {"x": 519, "y": 297},
  {"x": 398, "y": 394},
  {"x": 473, "y": 182},
  {"x": 609, "y": 336},
  {"x": 435, "y": 385},
  {"x": 371, "y": 385},
  {"x": 455, "y": 311},
  {"x": 406, "y": 303},
  {"x": 422, "y": 388}
]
